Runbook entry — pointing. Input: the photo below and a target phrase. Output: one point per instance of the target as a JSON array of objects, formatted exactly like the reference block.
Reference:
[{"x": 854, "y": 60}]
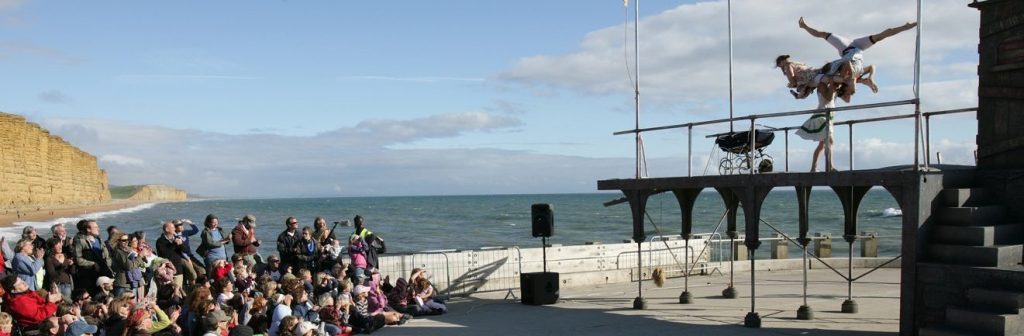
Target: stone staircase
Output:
[{"x": 974, "y": 233}]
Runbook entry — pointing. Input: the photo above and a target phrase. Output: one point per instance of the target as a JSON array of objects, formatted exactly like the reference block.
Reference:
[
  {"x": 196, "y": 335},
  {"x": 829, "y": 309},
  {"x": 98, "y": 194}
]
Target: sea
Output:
[{"x": 425, "y": 223}]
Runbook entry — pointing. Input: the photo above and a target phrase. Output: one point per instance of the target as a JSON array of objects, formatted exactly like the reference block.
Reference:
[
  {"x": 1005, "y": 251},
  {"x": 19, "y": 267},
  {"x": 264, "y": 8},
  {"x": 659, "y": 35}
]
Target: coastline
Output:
[{"x": 9, "y": 217}]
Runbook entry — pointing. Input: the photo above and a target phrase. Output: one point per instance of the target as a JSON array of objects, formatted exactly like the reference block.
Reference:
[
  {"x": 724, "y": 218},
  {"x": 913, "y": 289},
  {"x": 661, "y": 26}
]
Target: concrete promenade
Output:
[{"x": 607, "y": 309}]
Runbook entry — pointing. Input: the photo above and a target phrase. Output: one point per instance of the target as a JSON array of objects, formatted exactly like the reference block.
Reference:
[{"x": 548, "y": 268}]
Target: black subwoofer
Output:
[{"x": 539, "y": 288}]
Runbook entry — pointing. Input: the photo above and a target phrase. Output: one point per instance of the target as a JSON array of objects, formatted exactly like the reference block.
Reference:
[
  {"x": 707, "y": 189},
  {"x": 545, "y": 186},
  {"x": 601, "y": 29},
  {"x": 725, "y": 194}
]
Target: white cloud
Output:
[
  {"x": 357, "y": 158},
  {"x": 684, "y": 51},
  {"x": 122, "y": 160},
  {"x": 424, "y": 79}
]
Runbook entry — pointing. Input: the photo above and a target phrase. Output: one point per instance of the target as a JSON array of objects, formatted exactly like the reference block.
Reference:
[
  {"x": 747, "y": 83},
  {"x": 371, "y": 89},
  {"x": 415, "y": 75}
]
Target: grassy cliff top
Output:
[{"x": 123, "y": 192}]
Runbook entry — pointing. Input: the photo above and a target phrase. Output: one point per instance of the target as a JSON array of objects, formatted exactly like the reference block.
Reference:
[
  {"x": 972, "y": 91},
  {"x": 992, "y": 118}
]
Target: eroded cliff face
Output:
[
  {"x": 157, "y": 192},
  {"x": 38, "y": 169}
]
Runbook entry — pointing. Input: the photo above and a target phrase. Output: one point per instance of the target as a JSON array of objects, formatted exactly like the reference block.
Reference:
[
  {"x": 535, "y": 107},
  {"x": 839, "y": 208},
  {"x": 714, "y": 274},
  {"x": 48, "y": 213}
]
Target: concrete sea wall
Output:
[
  {"x": 38, "y": 169},
  {"x": 498, "y": 269}
]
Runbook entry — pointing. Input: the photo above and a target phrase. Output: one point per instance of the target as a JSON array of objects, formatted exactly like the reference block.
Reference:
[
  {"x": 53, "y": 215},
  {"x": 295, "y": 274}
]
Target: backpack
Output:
[{"x": 377, "y": 243}]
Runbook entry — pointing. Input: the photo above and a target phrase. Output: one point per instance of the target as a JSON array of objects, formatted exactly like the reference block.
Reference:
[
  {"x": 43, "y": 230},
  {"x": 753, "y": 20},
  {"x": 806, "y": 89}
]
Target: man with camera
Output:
[{"x": 243, "y": 237}]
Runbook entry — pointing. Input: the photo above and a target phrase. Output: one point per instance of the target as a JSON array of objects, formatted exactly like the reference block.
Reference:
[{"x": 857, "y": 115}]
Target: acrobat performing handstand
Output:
[
  {"x": 838, "y": 76},
  {"x": 851, "y": 56}
]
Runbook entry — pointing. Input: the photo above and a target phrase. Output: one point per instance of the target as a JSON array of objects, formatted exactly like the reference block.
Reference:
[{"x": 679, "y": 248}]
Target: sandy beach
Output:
[{"x": 9, "y": 217}]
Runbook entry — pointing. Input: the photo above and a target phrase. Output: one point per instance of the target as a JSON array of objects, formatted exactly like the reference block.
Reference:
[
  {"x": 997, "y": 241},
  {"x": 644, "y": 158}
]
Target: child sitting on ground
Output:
[{"x": 6, "y": 324}]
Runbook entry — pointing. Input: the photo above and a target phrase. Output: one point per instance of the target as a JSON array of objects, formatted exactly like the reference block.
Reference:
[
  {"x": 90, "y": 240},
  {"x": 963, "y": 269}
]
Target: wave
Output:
[
  {"x": 891, "y": 212},
  {"x": 14, "y": 231}
]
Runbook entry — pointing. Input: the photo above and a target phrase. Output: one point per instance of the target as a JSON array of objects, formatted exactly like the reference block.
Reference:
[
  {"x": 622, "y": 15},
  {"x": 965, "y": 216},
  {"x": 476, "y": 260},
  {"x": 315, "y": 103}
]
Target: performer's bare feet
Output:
[
  {"x": 802, "y": 23},
  {"x": 871, "y": 85}
]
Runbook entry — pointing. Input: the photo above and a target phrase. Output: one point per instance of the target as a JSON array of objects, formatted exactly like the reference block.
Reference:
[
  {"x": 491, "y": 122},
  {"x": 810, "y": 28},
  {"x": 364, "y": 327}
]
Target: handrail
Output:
[
  {"x": 863, "y": 121},
  {"x": 771, "y": 115},
  {"x": 921, "y": 136}
]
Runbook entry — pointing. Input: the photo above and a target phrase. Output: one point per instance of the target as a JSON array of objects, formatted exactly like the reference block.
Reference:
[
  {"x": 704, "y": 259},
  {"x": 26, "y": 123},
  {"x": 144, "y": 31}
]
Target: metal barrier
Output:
[{"x": 464, "y": 272}]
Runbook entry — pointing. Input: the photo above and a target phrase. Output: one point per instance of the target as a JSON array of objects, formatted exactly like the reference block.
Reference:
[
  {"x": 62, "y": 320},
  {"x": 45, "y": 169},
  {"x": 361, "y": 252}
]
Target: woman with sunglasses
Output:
[{"x": 127, "y": 265}]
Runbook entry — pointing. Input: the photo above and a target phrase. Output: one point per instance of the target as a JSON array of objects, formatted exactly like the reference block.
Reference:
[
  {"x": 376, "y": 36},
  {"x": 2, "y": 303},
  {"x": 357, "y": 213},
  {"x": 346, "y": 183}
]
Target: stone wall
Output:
[
  {"x": 39, "y": 170},
  {"x": 1001, "y": 85},
  {"x": 157, "y": 192}
]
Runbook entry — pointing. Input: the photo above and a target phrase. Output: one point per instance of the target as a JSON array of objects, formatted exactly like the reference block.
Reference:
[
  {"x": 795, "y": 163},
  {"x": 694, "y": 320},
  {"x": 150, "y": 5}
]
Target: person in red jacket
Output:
[
  {"x": 27, "y": 307},
  {"x": 243, "y": 237}
]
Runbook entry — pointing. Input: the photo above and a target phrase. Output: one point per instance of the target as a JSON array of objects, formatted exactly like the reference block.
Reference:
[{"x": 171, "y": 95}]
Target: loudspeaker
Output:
[
  {"x": 539, "y": 288},
  {"x": 543, "y": 220}
]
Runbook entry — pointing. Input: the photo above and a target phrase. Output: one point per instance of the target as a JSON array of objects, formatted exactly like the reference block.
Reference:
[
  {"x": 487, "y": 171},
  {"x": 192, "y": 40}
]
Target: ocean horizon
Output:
[{"x": 422, "y": 223}]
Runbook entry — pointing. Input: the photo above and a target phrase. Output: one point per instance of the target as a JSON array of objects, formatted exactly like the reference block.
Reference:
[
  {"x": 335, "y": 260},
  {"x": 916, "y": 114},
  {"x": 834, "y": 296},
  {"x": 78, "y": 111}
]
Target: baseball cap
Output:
[
  {"x": 79, "y": 328},
  {"x": 249, "y": 218}
]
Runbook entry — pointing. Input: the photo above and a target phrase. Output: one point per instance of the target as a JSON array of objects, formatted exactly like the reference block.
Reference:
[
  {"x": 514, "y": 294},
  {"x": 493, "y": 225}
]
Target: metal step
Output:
[
  {"x": 971, "y": 216},
  {"x": 983, "y": 322},
  {"x": 966, "y": 197},
  {"x": 995, "y": 300},
  {"x": 985, "y": 256},
  {"x": 1006, "y": 234}
]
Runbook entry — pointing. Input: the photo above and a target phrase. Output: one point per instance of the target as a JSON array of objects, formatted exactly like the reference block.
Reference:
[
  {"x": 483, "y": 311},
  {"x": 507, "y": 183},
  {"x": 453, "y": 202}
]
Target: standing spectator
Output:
[
  {"x": 360, "y": 229},
  {"x": 91, "y": 259},
  {"x": 127, "y": 266},
  {"x": 212, "y": 245},
  {"x": 321, "y": 233},
  {"x": 243, "y": 237},
  {"x": 28, "y": 262},
  {"x": 30, "y": 233},
  {"x": 26, "y": 306},
  {"x": 60, "y": 232},
  {"x": 180, "y": 232},
  {"x": 174, "y": 248},
  {"x": 308, "y": 251},
  {"x": 287, "y": 243},
  {"x": 60, "y": 269},
  {"x": 111, "y": 244},
  {"x": 357, "y": 252}
]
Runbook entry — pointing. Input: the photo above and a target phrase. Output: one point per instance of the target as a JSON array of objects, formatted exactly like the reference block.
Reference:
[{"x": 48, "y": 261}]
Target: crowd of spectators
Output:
[{"x": 316, "y": 284}]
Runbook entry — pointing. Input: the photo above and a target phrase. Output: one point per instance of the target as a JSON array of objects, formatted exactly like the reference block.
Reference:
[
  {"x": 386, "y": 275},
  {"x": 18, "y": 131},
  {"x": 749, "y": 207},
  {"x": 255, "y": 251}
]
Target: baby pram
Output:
[{"x": 736, "y": 145}]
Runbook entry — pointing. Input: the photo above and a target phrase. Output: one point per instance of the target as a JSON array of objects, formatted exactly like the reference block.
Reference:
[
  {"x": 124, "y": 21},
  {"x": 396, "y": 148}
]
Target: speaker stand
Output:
[{"x": 544, "y": 251}]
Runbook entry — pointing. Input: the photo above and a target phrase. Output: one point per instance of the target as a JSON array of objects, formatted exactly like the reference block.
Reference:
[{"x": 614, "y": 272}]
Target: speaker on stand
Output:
[{"x": 540, "y": 288}]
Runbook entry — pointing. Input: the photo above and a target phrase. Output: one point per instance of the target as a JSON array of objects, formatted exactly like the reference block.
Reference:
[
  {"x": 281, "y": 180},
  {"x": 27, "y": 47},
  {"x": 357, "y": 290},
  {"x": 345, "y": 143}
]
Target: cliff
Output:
[
  {"x": 150, "y": 193},
  {"x": 38, "y": 169}
]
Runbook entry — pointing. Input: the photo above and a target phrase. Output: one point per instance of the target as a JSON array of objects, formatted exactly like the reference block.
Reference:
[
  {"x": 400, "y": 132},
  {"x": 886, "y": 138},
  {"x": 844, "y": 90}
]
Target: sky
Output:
[{"x": 386, "y": 98}]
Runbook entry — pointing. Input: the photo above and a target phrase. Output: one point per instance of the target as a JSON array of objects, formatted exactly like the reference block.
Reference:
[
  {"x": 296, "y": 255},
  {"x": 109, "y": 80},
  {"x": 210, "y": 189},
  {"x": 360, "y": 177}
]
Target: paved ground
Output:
[{"x": 607, "y": 309}]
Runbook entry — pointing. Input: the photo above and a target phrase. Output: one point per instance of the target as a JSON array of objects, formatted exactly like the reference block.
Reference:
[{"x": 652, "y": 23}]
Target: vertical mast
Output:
[
  {"x": 636, "y": 86},
  {"x": 729, "y": 9}
]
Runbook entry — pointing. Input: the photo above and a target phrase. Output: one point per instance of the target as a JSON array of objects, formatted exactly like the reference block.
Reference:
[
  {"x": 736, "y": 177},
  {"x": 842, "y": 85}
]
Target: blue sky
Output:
[{"x": 330, "y": 98}]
